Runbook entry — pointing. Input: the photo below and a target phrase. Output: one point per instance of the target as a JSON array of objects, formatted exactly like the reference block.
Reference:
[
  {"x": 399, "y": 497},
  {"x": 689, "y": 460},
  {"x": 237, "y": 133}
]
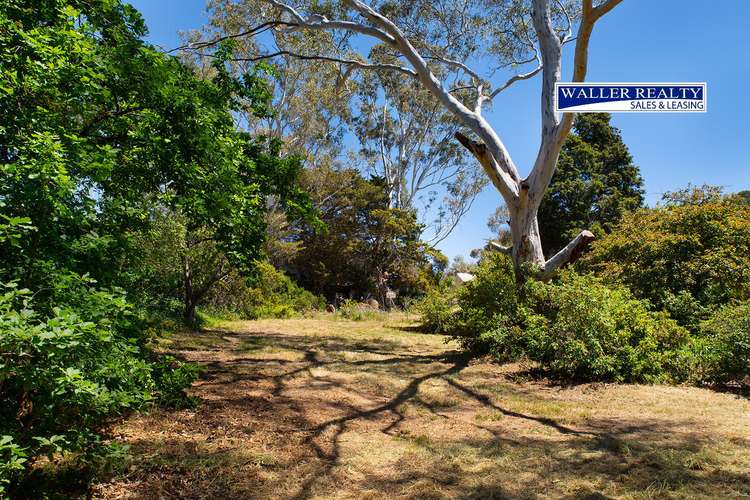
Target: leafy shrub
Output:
[
  {"x": 492, "y": 301},
  {"x": 436, "y": 308},
  {"x": 688, "y": 258},
  {"x": 63, "y": 374},
  {"x": 575, "y": 328},
  {"x": 12, "y": 461},
  {"x": 269, "y": 294},
  {"x": 721, "y": 351},
  {"x": 584, "y": 329}
]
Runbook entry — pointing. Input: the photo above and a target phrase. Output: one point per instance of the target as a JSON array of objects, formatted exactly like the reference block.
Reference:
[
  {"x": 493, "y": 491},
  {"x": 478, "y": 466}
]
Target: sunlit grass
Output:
[{"x": 325, "y": 407}]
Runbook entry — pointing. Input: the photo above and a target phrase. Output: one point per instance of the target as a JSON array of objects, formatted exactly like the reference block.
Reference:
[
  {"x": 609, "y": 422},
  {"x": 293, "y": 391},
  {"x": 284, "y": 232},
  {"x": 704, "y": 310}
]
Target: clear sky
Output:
[{"x": 639, "y": 41}]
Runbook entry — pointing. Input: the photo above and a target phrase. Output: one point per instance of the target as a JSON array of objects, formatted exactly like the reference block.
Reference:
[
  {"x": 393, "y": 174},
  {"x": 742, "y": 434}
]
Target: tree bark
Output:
[{"x": 188, "y": 313}]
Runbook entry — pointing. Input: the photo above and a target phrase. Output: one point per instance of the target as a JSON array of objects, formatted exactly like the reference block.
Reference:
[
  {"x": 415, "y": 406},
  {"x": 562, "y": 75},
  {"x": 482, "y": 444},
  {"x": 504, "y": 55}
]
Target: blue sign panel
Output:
[{"x": 630, "y": 97}]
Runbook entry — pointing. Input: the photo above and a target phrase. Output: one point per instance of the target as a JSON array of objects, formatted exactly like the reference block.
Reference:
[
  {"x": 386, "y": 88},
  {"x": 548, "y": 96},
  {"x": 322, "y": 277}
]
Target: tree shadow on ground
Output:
[{"x": 293, "y": 424}]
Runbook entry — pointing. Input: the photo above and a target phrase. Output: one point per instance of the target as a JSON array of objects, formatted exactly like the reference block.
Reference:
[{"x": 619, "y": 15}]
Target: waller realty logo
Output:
[{"x": 623, "y": 97}]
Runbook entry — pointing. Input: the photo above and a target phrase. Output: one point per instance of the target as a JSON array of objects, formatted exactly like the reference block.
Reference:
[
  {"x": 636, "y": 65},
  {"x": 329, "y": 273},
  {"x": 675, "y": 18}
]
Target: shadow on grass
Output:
[{"x": 301, "y": 450}]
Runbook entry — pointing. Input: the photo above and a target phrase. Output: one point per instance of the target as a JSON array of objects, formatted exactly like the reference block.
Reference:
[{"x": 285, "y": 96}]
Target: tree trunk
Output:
[
  {"x": 188, "y": 313},
  {"x": 527, "y": 243}
]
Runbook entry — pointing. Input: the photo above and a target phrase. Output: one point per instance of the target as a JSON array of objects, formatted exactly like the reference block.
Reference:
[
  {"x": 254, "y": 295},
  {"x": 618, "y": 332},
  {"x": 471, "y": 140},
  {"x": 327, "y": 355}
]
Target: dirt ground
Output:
[{"x": 330, "y": 408}]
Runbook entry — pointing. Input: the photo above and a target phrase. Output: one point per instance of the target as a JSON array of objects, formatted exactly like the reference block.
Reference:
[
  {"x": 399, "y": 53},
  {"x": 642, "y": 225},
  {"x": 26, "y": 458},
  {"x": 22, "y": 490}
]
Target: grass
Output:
[{"x": 329, "y": 408}]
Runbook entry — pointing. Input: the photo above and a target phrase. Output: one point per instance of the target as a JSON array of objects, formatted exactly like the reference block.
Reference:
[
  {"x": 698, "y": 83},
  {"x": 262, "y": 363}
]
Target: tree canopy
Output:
[
  {"x": 99, "y": 130},
  {"x": 368, "y": 247},
  {"x": 594, "y": 184},
  {"x": 688, "y": 257}
]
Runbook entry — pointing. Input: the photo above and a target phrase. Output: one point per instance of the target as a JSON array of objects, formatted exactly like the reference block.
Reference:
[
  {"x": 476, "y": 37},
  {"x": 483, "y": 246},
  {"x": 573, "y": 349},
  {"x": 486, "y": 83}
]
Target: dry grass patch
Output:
[{"x": 328, "y": 408}]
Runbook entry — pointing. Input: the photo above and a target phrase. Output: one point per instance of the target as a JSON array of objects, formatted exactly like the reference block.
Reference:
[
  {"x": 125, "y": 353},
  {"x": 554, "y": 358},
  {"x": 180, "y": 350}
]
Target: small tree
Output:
[{"x": 368, "y": 247}]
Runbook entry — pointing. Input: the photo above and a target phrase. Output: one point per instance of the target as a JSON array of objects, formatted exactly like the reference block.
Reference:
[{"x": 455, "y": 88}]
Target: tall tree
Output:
[
  {"x": 99, "y": 128},
  {"x": 310, "y": 101},
  {"x": 430, "y": 41},
  {"x": 594, "y": 184},
  {"x": 405, "y": 134},
  {"x": 368, "y": 247},
  {"x": 406, "y": 137}
]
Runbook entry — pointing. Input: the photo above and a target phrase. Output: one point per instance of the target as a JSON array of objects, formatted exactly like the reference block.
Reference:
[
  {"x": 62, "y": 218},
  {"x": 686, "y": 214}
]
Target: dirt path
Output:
[{"x": 337, "y": 409}]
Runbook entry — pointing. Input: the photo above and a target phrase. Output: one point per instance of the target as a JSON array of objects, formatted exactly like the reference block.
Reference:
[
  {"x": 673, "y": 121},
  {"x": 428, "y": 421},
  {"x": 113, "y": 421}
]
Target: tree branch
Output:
[
  {"x": 350, "y": 62},
  {"x": 498, "y": 177},
  {"x": 497, "y": 247},
  {"x": 322, "y": 23},
  {"x": 567, "y": 255},
  {"x": 514, "y": 79}
]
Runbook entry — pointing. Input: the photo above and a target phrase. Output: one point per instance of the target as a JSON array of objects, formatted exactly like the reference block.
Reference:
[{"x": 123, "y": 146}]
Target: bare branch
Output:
[
  {"x": 497, "y": 247},
  {"x": 498, "y": 177},
  {"x": 349, "y": 62},
  {"x": 569, "y": 25},
  {"x": 567, "y": 255},
  {"x": 605, "y": 7},
  {"x": 251, "y": 32},
  {"x": 456, "y": 64},
  {"x": 322, "y": 23},
  {"x": 514, "y": 79}
]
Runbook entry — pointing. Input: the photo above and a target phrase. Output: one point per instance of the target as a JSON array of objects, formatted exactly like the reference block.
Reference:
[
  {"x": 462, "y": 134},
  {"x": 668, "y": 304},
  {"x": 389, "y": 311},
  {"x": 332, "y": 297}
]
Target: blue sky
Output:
[{"x": 640, "y": 40}]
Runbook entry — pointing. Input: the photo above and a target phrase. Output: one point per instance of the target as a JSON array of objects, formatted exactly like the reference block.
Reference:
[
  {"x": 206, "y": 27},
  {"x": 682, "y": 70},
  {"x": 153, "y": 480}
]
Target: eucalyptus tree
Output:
[
  {"x": 405, "y": 135},
  {"x": 310, "y": 109},
  {"x": 406, "y": 138},
  {"x": 431, "y": 43}
]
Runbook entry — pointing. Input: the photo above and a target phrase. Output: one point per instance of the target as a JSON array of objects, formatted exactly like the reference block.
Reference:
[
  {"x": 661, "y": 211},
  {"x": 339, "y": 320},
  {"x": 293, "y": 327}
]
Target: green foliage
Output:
[
  {"x": 273, "y": 294},
  {"x": 492, "y": 299},
  {"x": 594, "y": 184},
  {"x": 721, "y": 351},
  {"x": 269, "y": 293},
  {"x": 576, "y": 327},
  {"x": 99, "y": 130},
  {"x": 367, "y": 248},
  {"x": 171, "y": 377},
  {"x": 64, "y": 373},
  {"x": 12, "y": 461},
  {"x": 436, "y": 308},
  {"x": 689, "y": 257},
  {"x": 584, "y": 329}
]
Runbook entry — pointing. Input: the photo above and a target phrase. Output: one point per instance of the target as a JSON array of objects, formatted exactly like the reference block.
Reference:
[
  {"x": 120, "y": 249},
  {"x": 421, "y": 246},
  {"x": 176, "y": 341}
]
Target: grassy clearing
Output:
[{"x": 329, "y": 408}]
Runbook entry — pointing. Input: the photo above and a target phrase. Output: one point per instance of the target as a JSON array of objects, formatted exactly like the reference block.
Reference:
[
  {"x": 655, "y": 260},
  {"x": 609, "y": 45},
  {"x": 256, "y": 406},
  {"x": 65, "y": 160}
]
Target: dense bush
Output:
[
  {"x": 268, "y": 294},
  {"x": 491, "y": 301},
  {"x": 436, "y": 308},
  {"x": 63, "y": 374},
  {"x": 689, "y": 257},
  {"x": 721, "y": 351},
  {"x": 575, "y": 327},
  {"x": 584, "y": 329}
]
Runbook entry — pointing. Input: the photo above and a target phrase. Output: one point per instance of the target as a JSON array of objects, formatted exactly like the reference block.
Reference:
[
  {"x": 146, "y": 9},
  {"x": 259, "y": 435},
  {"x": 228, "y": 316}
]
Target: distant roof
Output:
[{"x": 464, "y": 277}]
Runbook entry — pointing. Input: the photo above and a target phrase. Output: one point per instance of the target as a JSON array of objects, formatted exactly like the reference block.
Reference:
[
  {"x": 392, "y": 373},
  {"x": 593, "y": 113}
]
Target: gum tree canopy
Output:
[{"x": 431, "y": 43}]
